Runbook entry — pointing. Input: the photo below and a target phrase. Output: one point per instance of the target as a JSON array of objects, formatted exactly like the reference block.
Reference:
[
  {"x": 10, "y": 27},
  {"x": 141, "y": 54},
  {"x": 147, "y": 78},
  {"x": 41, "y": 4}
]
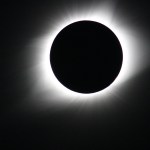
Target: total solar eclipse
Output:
[{"x": 86, "y": 57}]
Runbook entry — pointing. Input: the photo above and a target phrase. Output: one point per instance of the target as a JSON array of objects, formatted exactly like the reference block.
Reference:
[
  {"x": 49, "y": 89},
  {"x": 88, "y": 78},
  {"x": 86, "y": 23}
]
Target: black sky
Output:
[{"x": 122, "y": 123}]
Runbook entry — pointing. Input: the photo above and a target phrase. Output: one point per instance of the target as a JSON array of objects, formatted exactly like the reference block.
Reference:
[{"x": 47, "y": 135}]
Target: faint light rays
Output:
[{"x": 51, "y": 89}]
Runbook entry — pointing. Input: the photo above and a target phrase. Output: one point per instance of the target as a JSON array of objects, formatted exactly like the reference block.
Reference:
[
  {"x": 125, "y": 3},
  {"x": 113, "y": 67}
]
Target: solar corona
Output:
[{"x": 90, "y": 62}]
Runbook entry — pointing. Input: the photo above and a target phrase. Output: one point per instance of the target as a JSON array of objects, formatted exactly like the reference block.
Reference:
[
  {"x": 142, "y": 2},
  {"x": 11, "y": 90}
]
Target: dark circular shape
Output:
[{"x": 86, "y": 56}]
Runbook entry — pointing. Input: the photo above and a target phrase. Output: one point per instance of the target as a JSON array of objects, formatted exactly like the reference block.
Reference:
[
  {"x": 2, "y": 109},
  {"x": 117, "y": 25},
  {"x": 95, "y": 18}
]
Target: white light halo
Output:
[{"x": 129, "y": 67}]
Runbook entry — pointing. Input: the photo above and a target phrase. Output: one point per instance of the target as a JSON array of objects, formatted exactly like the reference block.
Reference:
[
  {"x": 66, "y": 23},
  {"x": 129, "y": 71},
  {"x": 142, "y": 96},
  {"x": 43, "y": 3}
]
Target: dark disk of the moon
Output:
[{"x": 86, "y": 56}]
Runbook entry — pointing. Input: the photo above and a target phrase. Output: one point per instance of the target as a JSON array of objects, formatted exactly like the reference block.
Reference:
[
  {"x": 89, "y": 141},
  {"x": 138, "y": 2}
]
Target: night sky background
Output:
[{"x": 121, "y": 123}]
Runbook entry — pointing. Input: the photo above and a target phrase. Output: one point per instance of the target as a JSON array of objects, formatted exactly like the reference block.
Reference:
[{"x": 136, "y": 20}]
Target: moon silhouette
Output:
[{"x": 86, "y": 57}]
